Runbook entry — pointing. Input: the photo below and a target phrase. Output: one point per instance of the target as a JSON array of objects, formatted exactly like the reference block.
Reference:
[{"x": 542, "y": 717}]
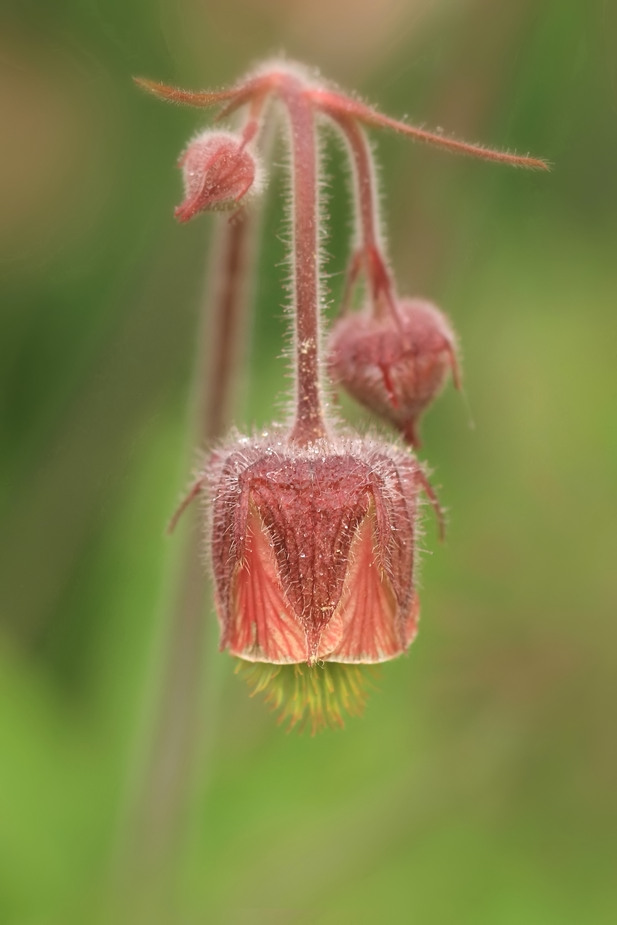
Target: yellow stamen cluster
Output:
[{"x": 316, "y": 698}]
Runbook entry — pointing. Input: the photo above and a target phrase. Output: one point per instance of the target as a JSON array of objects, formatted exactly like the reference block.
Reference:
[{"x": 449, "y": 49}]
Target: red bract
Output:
[
  {"x": 395, "y": 364},
  {"x": 218, "y": 173},
  {"x": 313, "y": 551}
]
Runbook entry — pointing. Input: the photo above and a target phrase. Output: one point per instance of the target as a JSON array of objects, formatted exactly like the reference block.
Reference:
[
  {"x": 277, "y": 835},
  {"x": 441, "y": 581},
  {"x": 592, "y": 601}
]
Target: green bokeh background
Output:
[{"x": 481, "y": 786}]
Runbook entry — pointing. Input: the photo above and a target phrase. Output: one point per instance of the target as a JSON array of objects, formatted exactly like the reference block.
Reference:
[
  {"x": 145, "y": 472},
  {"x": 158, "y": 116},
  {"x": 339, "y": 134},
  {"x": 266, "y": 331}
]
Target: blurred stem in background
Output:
[{"x": 174, "y": 742}]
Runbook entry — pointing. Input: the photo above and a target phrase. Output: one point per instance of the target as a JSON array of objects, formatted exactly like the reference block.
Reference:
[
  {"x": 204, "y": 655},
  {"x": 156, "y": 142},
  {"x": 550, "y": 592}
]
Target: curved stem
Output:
[
  {"x": 309, "y": 424},
  {"x": 381, "y": 283}
]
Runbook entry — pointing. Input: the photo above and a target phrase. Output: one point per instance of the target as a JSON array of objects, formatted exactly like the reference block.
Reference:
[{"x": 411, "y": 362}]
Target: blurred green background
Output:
[{"x": 481, "y": 786}]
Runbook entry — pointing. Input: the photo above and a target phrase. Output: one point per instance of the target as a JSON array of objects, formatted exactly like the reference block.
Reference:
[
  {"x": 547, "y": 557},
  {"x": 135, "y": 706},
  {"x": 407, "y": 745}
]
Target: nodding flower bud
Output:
[
  {"x": 396, "y": 364},
  {"x": 218, "y": 172},
  {"x": 313, "y": 550}
]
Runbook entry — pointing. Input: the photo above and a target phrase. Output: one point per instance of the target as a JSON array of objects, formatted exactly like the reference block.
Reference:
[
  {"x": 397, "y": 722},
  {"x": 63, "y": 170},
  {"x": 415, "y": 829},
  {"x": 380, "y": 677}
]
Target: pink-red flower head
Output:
[{"x": 313, "y": 551}]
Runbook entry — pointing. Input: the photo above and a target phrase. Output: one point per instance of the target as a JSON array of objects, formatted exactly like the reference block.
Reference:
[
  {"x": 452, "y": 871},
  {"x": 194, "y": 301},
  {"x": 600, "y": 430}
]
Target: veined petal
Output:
[
  {"x": 261, "y": 626},
  {"x": 367, "y": 627}
]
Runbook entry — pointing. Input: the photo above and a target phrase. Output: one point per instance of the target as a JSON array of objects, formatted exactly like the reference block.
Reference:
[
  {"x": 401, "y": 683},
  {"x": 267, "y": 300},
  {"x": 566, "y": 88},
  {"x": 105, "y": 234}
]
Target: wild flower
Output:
[{"x": 313, "y": 532}]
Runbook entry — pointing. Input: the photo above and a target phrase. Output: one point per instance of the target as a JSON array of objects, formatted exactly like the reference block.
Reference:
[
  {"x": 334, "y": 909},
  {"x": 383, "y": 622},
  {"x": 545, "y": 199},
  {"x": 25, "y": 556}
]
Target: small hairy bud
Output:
[
  {"x": 313, "y": 550},
  {"x": 394, "y": 365},
  {"x": 218, "y": 172}
]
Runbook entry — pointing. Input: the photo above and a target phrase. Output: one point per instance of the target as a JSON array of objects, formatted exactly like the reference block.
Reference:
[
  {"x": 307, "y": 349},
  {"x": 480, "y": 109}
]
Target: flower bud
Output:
[
  {"x": 394, "y": 365},
  {"x": 218, "y": 172},
  {"x": 313, "y": 551}
]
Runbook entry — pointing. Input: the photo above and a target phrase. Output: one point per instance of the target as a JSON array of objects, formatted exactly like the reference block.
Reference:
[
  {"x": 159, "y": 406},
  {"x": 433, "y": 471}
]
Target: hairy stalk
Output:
[
  {"x": 369, "y": 254},
  {"x": 309, "y": 424},
  {"x": 335, "y": 103}
]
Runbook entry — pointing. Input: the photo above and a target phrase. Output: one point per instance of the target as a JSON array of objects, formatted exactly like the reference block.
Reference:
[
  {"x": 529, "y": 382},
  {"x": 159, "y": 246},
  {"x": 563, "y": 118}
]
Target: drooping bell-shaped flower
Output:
[
  {"x": 313, "y": 551},
  {"x": 394, "y": 364}
]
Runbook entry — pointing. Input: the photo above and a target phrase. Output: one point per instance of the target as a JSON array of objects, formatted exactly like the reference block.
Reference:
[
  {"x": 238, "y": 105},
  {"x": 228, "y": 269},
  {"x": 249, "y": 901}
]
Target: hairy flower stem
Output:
[
  {"x": 309, "y": 424},
  {"x": 370, "y": 254}
]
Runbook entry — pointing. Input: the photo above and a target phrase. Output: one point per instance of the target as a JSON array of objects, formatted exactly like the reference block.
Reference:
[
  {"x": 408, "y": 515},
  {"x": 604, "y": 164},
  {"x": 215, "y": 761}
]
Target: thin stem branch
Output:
[
  {"x": 309, "y": 424},
  {"x": 371, "y": 256},
  {"x": 335, "y": 104}
]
